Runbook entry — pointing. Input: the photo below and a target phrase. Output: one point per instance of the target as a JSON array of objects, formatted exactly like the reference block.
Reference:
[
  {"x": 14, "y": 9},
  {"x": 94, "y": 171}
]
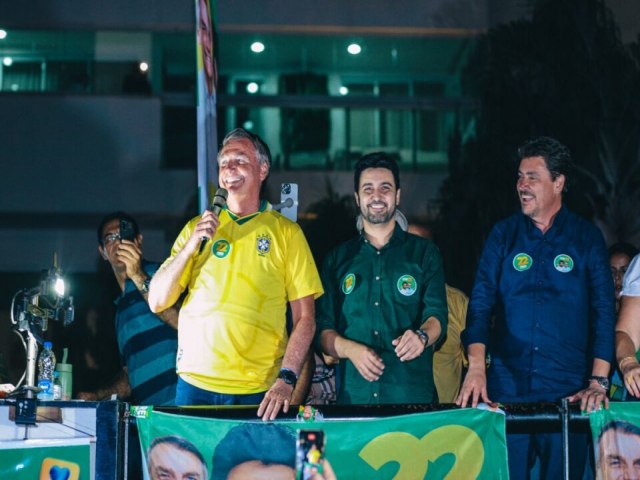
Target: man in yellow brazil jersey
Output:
[{"x": 233, "y": 347}]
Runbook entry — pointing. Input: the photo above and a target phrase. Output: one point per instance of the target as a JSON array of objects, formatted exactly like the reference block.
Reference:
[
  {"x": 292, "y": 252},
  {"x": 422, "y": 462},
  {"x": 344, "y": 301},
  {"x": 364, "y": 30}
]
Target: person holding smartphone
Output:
[{"x": 147, "y": 342}]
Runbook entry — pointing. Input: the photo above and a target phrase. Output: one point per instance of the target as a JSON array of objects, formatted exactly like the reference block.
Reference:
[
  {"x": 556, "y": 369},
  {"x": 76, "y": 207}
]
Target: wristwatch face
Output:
[
  {"x": 145, "y": 285},
  {"x": 423, "y": 336},
  {"x": 602, "y": 381},
  {"x": 288, "y": 377}
]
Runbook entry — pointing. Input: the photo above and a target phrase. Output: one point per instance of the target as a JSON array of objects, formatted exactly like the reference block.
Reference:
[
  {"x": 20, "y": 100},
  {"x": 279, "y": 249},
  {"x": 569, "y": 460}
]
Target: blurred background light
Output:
[
  {"x": 354, "y": 49},
  {"x": 257, "y": 47}
]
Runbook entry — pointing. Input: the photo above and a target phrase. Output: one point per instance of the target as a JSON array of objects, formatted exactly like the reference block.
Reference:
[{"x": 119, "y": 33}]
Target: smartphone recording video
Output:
[{"x": 127, "y": 231}]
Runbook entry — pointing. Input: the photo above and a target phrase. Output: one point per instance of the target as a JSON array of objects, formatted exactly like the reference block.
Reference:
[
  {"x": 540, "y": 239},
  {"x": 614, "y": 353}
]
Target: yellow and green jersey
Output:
[{"x": 232, "y": 331}]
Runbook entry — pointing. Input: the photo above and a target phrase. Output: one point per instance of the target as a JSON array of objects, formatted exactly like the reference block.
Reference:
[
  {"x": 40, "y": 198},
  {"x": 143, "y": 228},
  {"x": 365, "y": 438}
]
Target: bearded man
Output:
[
  {"x": 542, "y": 306},
  {"x": 385, "y": 304}
]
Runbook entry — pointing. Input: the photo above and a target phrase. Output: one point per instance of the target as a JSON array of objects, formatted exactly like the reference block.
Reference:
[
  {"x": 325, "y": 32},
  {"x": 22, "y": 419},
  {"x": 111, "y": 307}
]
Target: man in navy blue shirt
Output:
[{"x": 544, "y": 280}]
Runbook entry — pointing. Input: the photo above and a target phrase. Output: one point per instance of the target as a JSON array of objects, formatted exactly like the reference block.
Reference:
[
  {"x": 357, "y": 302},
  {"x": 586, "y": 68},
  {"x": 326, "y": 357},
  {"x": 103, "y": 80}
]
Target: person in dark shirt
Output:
[
  {"x": 147, "y": 342},
  {"x": 385, "y": 303},
  {"x": 544, "y": 278}
]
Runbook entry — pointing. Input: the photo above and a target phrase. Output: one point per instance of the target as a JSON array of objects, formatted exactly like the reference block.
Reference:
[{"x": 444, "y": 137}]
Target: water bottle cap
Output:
[{"x": 47, "y": 344}]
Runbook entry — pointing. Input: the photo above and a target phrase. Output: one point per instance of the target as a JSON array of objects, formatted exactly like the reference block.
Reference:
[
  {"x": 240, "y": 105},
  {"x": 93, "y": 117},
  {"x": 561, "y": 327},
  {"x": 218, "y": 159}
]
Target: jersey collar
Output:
[{"x": 264, "y": 206}]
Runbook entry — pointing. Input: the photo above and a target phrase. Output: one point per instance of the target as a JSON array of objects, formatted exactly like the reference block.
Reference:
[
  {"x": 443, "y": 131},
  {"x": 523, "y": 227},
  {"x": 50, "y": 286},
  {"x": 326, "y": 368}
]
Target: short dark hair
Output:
[
  {"x": 180, "y": 443},
  {"x": 624, "y": 248},
  {"x": 376, "y": 160},
  {"x": 625, "y": 427},
  {"x": 262, "y": 149},
  {"x": 268, "y": 443},
  {"x": 116, "y": 216},
  {"x": 557, "y": 156}
]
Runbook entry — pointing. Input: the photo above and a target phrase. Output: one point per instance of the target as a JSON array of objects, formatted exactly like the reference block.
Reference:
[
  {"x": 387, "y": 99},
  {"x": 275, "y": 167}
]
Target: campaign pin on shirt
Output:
[
  {"x": 221, "y": 248},
  {"x": 407, "y": 285},
  {"x": 349, "y": 283},
  {"x": 563, "y": 263},
  {"x": 522, "y": 262}
]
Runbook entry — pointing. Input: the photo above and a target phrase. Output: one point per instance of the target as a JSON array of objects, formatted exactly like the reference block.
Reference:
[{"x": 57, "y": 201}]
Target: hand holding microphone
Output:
[{"x": 219, "y": 201}]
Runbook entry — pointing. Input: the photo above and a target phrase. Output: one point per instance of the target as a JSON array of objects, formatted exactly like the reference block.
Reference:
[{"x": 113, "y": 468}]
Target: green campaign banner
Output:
[
  {"x": 43, "y": 462},
  {"x": 454, "y": 444},
  {"x": 616, "y": 440}
]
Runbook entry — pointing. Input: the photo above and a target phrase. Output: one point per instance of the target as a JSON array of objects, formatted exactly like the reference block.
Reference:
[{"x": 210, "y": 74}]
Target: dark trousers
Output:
[
  {"x": 187, "y": 394},
  {"x": 525, "y": 449}
]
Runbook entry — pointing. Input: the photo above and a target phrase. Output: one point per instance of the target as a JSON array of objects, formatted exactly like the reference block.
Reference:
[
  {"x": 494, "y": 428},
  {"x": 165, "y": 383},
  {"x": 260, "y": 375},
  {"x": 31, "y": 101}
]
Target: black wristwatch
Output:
[
  {"x": 602, "y": 381},
  {"x": 145, "y": 285},
  {"x": 423, "y": 336},
  {"x": 288, "y": 376}
]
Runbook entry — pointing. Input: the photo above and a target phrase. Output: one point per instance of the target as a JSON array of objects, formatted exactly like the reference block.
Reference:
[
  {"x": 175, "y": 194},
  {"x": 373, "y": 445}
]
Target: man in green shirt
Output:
[{"x": 385, "y": 302}]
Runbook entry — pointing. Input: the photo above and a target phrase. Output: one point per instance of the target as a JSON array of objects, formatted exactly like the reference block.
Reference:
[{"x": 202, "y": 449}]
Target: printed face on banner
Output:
[
  {"x": 205, "y": 39},
  {"x": 174, "y": 458},
  {"x": 619, "y": 452}
]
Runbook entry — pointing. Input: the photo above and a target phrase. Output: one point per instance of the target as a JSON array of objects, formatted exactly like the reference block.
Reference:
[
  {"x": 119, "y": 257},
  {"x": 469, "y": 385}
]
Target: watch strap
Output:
[
  {"x": 288, "y": 376},
  {"x": 145, "y": 285},
  {"x": 602, "y": 381},
  {"x": 423, "y": 336}
]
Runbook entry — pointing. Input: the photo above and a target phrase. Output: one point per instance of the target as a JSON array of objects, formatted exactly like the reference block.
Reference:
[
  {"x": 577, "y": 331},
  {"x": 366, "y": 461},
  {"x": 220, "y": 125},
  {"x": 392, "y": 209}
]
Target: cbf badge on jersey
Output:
[
  {"x": 349, "y": 283},
  {"x": 563, "y": 263},
  {"x": 407, "y": 285},
  {"x": 263, "y": 244},
  {"x": 522, "y": 262},
  {"x": 221, "y": 248}
]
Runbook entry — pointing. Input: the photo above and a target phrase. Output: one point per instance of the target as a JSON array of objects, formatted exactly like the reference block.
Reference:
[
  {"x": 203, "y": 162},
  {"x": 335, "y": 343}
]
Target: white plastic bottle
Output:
[{"x": 46, "y": 367}]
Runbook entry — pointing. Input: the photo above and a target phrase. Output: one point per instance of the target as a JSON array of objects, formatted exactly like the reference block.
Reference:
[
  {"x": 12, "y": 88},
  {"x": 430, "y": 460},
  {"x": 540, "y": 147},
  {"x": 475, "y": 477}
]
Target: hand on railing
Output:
[
  {"x": 474, "y": 388},
  {"x": 592, "y": 398}
]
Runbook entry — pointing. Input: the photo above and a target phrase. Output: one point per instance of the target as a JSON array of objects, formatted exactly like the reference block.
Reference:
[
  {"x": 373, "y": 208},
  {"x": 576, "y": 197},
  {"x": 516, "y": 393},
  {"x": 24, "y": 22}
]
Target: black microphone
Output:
[{"x": 219, "y": 201}]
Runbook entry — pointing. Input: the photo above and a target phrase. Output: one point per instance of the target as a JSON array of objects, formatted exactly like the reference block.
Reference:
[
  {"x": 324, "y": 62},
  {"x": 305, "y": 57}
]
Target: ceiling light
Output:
[
  {"x": 354, "y": 49},
  {"x": 343, "y": 90},
  {"x": 144, "y": 66},
  {"x": 7, "y": 61},
  {"x": 252, "y": 87},
  {"x": 3, "y": 34},
  {"x": 257, "y": 47}
]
